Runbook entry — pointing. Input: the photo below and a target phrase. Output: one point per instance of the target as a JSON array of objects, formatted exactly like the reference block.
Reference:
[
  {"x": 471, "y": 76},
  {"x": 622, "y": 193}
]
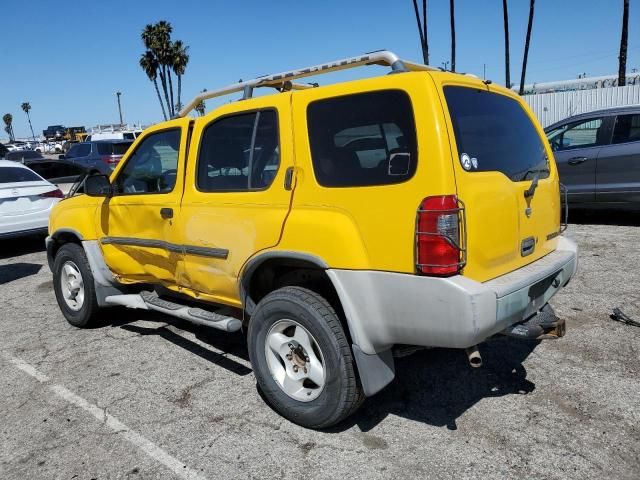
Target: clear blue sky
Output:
[{"x": 68, "y": 60}]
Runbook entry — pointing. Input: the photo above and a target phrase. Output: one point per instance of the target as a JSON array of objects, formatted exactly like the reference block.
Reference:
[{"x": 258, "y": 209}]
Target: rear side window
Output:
[
  {"x": 17, "y": 174},
  {"x": 493, "y": 133},
  {"x": 112, "y": 148},
  {"x": 627, "y": 129},
  {"x": 363, "y": 140},
  {"x": 239, "y": 153}
]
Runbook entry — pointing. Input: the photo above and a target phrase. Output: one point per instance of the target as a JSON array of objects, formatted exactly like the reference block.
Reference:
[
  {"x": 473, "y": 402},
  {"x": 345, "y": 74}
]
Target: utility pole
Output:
[{"x": 119, "y": 106}]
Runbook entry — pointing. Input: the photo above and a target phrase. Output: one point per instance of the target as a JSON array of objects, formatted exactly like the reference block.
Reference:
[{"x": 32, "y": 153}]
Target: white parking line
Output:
[{"x": 147, "y": 446}]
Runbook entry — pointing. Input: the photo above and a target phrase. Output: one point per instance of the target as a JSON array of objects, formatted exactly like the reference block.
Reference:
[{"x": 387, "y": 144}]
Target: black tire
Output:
[
  {"x": 342, "y": 392},
  {"x": 86, "y": 314}
]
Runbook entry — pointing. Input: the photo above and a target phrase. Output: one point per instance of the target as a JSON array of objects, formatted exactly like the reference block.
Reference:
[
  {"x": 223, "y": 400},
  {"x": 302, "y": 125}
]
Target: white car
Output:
[{"x": 26, "y": 200}]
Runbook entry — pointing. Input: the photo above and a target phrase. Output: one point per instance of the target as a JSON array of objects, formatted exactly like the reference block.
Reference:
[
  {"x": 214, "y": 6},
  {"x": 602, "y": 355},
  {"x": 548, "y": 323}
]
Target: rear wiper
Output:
[{"x": 529, "y": 192}]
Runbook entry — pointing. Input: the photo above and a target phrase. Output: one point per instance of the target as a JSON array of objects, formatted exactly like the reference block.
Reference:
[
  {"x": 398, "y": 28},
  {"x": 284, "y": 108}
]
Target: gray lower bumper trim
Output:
[{"x": 376, "y": 371}]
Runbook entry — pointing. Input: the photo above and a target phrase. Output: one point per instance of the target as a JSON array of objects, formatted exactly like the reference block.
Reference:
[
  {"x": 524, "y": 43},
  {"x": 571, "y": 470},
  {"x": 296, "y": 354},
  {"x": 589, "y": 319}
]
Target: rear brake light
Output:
[
  {"x": 111, "y": 159},
  {"x": 438, "y": 246},
  {"x": 57, "y": 193}
]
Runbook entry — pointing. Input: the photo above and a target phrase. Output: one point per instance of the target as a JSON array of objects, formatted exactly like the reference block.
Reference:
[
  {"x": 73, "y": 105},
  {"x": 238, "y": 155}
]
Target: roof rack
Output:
[{"x": 283, "y": 80}]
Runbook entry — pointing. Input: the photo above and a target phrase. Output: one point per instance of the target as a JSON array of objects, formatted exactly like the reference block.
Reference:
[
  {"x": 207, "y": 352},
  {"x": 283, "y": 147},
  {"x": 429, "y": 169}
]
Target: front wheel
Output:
[
  {"x": 73, "y": 285},
  {"x": 301, "y": 358}
]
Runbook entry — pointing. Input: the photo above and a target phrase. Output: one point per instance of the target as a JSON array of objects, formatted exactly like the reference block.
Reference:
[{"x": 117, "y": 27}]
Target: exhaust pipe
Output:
[{"x": 475, "y": 359}]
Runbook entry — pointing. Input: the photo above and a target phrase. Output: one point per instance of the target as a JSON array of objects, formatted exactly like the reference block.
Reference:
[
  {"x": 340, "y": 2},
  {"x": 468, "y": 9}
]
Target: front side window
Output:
[
  {"x": 627, "y": 129},
  {"x": 153, "y": 166},
  {"x": 239, "y": 153},
  {"x": 79, "y": 150},
  {"x": 494, "y": 134},
  {"x": 363, "y": 140},
  {"x": 581, "y": 134}
]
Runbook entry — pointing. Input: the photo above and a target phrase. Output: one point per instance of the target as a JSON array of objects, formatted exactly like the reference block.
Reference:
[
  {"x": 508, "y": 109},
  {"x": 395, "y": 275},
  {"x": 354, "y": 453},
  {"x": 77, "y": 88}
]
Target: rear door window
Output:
[
  {"x": 494, "y": 133},
  {"x": 363, "y": 140},
  {"x": 627, "y": 129}
]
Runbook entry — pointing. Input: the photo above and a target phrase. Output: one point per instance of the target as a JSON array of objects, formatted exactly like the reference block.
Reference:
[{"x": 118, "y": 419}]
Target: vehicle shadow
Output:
[
  {"x": 225, "y": 346},
  {"x": 437, "y": 386},
  {"x": 14, "y": 247},
  {"x": 16, "y": 271},
  {"x": 605, "y": 217}
]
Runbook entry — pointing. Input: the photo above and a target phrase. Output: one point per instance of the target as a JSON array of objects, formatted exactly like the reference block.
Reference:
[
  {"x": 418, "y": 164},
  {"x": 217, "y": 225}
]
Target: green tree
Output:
[
  {"x": 149, "y": 64},
  {"x": 157, "y": 41},
  {"x": 26, "y": 106},
  {"x": 7, "y": 118},
  {"x": 526, "y": 46},
  {"x": 507, "y": 66},
  {"x": 179, "y": 65},
  {"x": 422, "y": 29},
  {"x": 622, "y": 59},
  {"x": 200, "y": 107}
]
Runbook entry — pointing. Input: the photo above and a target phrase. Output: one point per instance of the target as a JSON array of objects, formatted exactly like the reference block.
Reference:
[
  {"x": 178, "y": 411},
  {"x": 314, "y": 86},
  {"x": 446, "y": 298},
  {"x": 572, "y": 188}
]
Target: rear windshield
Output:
[
  {"x": 109, "y": 148},
  {"x": 23, "y": 155},
  {"x": 493, "y": 133},
  {"x": 17, "y": 174}
]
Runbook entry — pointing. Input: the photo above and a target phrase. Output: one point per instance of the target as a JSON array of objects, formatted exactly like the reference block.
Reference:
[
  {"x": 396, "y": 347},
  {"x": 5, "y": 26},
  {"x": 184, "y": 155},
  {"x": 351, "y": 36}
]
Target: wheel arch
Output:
[{"x": 57, "y": 239}]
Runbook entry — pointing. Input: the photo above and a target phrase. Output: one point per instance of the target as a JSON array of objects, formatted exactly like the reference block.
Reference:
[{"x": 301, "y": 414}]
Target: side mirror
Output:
[
  {"x": 97, "y": 186},
  {"x": 61, "y": 157}
]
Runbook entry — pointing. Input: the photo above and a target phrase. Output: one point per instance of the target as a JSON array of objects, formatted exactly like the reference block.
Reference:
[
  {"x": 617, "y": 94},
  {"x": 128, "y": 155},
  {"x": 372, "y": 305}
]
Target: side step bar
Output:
[
  {"x": 542, "y": 326},
  {"x": 151, "y": 301}
]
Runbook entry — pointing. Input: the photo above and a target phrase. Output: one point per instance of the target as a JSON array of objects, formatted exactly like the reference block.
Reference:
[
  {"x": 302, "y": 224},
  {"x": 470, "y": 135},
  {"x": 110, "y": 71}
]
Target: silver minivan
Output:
[{"x": 598, "y": 157}]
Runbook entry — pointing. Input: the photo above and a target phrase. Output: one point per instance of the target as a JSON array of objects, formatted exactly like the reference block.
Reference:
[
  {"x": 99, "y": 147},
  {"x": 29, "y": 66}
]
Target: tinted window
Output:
[
  {"x": 364, "y": 139},
  {"x": 627, "y": 129},
  {"x": 153, "y": 166},
  {"x": 23, "y": 155},
  {"x": 585, "y": 133},
  {"x": 109, "y": 148},
  {"x": 79, "y": 150},
  {"x": 239, "y": 153},
  {"x": 53, "y": 170},
  {"x": 494, "y": 133},
  {"x": 17, "y": 174}
]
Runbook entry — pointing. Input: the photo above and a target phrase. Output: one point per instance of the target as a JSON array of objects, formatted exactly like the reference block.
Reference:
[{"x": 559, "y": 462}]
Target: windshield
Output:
[{"x": 494, "y": 133}]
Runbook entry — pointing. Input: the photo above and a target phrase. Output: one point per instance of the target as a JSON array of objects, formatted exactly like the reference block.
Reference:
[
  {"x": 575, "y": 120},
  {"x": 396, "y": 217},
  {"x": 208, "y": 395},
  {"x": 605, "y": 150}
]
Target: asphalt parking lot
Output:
[{"x": 146, "y": 396}]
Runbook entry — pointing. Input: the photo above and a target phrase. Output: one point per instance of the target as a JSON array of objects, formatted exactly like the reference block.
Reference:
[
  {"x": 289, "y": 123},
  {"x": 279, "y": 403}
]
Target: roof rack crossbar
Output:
[{"x": 284, "y": 79}]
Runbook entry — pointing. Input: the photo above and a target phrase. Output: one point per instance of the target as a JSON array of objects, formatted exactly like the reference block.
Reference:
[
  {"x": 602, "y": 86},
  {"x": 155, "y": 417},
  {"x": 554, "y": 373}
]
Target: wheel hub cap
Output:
[
  {"x": 295, "y": 360},
  {"x": 72, "y": 286}
]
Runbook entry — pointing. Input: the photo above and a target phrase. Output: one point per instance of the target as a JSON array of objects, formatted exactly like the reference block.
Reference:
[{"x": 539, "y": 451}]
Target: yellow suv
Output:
[{"x": 336, "y": 224}]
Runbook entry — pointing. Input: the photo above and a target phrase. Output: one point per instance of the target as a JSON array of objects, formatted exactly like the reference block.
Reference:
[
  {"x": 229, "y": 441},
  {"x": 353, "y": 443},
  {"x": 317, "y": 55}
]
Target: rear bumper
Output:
[{"x": 384, "y": 309}]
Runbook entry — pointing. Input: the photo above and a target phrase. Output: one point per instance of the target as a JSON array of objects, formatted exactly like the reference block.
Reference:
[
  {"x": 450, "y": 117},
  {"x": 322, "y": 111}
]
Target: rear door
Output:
[
  {"x": 499, "y": 151},
  {"x": 618, "y": 168},
  {"x": 576, "y": 148},
  {"x": 235, "y": 201}
]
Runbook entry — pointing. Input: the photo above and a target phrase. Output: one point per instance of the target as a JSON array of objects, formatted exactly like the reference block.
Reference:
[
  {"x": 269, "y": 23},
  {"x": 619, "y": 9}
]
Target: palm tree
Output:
[
  {"x": 26, "y": 106},
  {"x": 526, "y": 46},
  {"x": 179, "y": 65},
  {"x": 7, "y": 118},
  {"x": 622, "y": 59},
  {"x": 200, "y": 107},
  {"x": 422, "y": 29},
  {"x": 507, "y": 67},
  {"x": 453, "y": 35},
  {"x": 156, "y": 39},
  {"x": 149, "y": 64}
]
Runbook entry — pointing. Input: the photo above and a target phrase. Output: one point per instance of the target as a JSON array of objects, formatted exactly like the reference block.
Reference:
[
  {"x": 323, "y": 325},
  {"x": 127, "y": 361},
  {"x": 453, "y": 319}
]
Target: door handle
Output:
[
  {"x": 577, "y": 160},
  {"x": 166, "y": 213}
]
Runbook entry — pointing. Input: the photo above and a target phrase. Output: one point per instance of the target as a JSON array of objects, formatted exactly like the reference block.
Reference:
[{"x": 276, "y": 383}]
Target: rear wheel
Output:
[
  {"x": 302, "y": 359},
  {"x": 73, "y": 285}
]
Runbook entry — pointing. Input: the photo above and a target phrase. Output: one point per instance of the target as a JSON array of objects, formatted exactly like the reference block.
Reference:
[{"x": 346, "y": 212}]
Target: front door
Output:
[
  {"x": 576, "y": 147},
  {"x": 618, "y": 170},
  {"x": 137, "y": 224},
  {"x": 235, "y": 201}
]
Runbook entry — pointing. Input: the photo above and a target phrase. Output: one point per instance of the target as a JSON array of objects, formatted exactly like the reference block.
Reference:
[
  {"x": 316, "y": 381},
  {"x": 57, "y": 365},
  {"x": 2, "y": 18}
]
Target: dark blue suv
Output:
[{"x": 100, "y": 156}]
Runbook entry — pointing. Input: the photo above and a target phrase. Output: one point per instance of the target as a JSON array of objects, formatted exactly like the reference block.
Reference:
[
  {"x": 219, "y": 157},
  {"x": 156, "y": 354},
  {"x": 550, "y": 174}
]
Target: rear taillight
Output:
[
  {"x": 57, "y": 193},
  {"x": 438, "y": 246},
  {"x": 111, "y": 159}
]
